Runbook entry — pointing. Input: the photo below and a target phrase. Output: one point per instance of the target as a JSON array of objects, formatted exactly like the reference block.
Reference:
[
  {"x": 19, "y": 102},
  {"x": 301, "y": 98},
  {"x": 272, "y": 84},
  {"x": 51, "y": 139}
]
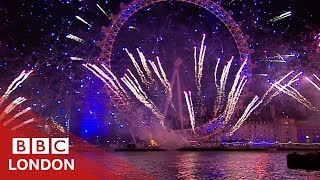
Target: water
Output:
[{"x": 211, "y": 165}]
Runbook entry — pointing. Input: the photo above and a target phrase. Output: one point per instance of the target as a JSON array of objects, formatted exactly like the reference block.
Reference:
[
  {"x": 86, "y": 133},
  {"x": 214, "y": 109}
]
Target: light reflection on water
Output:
[{"x": 212, "y": 165}]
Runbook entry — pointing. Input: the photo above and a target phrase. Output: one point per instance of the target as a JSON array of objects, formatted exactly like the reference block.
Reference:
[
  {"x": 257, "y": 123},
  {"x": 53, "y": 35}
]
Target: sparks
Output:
[
  {"x": 82, "y": 20},
  {"x": 190, "y": 109},
  {"x": 103, "y": 11},
  {"x": 281, "y": 16},
  {"x": 12, "y": 106},
  {"x": 15, "y": 84},
  {"x": 16, "y": 116},
  {"x": 76, "y": 58},
  {"x": 75, "y": 38},
  {"x": 314, "y": 84},
  {"x": 316, "y": 77},
  {"x": 136, "y": 65}
]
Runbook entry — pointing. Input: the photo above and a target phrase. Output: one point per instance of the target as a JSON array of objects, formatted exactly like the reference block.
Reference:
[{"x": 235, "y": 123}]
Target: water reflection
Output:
[
  {"x": 214, "y": 165},
  {"x": 186, "y": 164}
]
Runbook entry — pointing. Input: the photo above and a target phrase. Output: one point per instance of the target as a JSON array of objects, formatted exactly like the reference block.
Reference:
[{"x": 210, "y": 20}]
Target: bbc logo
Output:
[{"x": 40, "y": 145}]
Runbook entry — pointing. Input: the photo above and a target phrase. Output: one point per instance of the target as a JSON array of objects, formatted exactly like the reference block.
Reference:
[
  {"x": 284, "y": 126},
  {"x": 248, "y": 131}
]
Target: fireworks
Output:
[
  {"x": 82, "y": 20},
  {"x": 276, "y": 93},
  {"x": 199, "y": 64},
  {"x": 221, "y": 87},
  {"x": 113, "y": 84},
  {"x": 17, "y": 115},
  {"x": 102, "y": 10},
  {"x": 316, "y": 77},
  {"x": 215, "y": 73},
  {"x": 314, "y": 84},
  {"x": 116, "y": 80},
  {"x": 76, "y": 58},
  {"x": 12, "y": 106},
  {"x": 76, "y": 38},
  {"x": 190, "y": 109},
  {"x": 136, "y": 65},
  {"x": 290, "y": 91},
  {"x": 136, "y": 89},
  {"x": 162, "y": 77},
  {"x": 281, "y": 16},
  {"x": 15, "y": 83},
  {"x": 245, "y": 115},
  {"x": 234, "y": 94},
  {"x": 145, "y": 66}
]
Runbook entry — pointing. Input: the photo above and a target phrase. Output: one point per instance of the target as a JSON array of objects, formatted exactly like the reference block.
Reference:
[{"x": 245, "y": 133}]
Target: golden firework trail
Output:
[
  {"x": 296, "y": 95},
  {"x": 75, "y": 38},
  {"x": 116, "y": 80},
  {"x": 281, "y": 16},
  {"x": 116, "y": 88},
  {"x": 15, "y": 84},
  {"x": 76, "y": 58},
  {"x": 232, "y": 97},
  {"x": 137, "y": 90},
  {"x": 215, "y": 74},
  {"x": 199, "y": 64},
  {"x": 84, "y": 21},
  {"x": 136, "y": 65},
  {"x": 274, "y": 84},
  {"x": 221, "y": 88},
  {"x": 291, "y": 81},
  {"x": 245, "y": 115},
  {"x": 102, "y": 11},
  {"x": 145, "y": 66},
  {"x": 162, "y": 77},
  {"x": 100, "y": 77},
  {"x": 231, "y": 107},
  {"x": 190, "y": 108}
]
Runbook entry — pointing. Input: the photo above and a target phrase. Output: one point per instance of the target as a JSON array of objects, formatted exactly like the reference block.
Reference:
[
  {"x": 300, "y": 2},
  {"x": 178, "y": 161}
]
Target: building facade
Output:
[{"x": 282, "y": 130}]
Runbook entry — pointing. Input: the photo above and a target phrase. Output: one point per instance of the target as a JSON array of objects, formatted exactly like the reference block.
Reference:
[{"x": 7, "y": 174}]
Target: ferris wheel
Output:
[{"x": 117, "y": 22}]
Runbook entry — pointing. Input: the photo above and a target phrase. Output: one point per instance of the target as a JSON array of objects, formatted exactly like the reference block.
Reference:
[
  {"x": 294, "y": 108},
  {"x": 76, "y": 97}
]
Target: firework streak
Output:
[
  {"x": 11, "y": 106},
  {"x": 75, "y": 38},
  {"x": 281, "y": 16},
  {"x": 198, "y": 63},
  {"x": 145, "y": 66},
  {"x": 316, "y": 77},
  {"x": 163, "y": 79},
  {"x": 221, "y": 88},
  {"x": 16, "y": 116},
  {"x": 112, "y": 84},
  {"x": 190, "y": 109},
  {"x": 234, "y": 94},
  {"x": 102, "y": 11},
  {"x": 314, "y": 84},
  {"x": 287, "y": 89},
  {"x": 245, "y": 115},
  {"x": 292, "y": 92},
  {"x": 15, "y": 83},
  {"x": 82, "y": 20},
  {"x": 136, "y": 65},
  {"x": 136, "y": 89}
]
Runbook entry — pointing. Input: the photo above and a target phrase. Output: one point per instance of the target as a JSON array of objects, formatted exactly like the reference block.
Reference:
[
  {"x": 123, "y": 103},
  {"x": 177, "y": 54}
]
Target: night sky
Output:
[{"x": 33, "y": 36}]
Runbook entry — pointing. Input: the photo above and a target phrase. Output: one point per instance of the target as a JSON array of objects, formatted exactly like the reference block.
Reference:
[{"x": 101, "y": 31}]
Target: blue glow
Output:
[{"x": 94, "y": 112}]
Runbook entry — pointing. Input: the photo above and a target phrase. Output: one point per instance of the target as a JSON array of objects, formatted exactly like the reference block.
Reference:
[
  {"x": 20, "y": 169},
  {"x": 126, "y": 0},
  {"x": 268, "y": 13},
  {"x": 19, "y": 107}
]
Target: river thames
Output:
[{"x": 210, "y": 165}]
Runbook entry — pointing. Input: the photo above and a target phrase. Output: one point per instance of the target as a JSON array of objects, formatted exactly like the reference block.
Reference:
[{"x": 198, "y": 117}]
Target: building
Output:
[{"x": 282, "y": 130}]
